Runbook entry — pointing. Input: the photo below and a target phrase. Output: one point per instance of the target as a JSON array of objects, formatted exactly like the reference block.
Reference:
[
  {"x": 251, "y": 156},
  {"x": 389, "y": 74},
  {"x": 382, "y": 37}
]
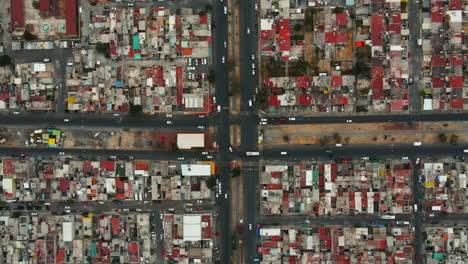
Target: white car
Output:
[
  {"x": 116, "y": 114},
  {"x": 248, "y": 30},
  {"x": 349, "y": 121},
  {"x": 16, "y": 113},
  {"x": 223, "y": 59},
  {"x": 46, "y": 60},
  {"x": 225, "y": 196},
  {"x": 253, "y": 56},
  {"x": 61, "y": 153},
  {"x": 200, "y": 127},
  {"x": 219, "y": 108},
  {"x": 264, "y": 119},
  {"x": 66, "y": 120},
  {"x": 204, "y": 153},
  {"x": 256, "y": 6},
  {"x": 284, "y": 153},
  {"x": 253, "y": 72},
  {"x": 365, "y": 158},
  {"x": 292, "y": 119},
  {"x": 180, "y": 158},
  {"x": 263, "y": 123},
  {"x": 404, "y": 158},
  {"x": 209, "y": 157},
  {"x": 253, "y": 65},
  {"x": 250, "y": 103},
  {"x": 204, "y": 61},
  {"x": 112, "y": 157},
  {"x": 169, "y": 122},
  {"x": 225, "y": 10},
  {"x": 230, "y": 149},
  {"x": 225, "y": 44}
]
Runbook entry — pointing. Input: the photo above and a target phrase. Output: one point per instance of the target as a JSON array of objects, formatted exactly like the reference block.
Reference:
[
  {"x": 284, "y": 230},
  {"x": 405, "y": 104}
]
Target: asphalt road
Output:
[
  {"x": 36, "y": 120},
  {"x": 220, "y": 119},
  {"x": 416, "y": 55}
]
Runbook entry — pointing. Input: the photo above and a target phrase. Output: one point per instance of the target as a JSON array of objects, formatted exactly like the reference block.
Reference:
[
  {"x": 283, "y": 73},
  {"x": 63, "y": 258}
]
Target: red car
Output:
[
  {"x": 283, "y": 119},
  {"x": 198, "y": 208}
]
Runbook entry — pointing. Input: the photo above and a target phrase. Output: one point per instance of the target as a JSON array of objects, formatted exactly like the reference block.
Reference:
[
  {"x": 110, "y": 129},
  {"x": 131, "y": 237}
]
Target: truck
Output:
[
  {"x": 419, "y": 42},
  {"x": 387, "y": 217},
  {"x": 252, "y": 153}
]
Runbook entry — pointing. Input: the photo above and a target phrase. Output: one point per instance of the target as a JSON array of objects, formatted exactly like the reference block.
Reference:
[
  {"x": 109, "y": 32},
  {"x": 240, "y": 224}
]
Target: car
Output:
[
  {"x": 349, "y": 121},
  {"x": 69, "y": 63},
  {"x": 263, "y": 123},
  {"x": 225, "y": 44},
  {"x": 223, "y": 59},
  {"x": 250, "y": 103},
  {"x": 225, "y": 196},
  {"x": 284, "y": 153},
  {"x": 225, "y": 10},
  {"x": 131, "y": 4},
  {"x": 101, "y": 202},
  {"x": 169, "y": 122},
  {"x": 248, "y": 30},
  {"x": 171, "y": 209},
  {"x": 256, "y": 6},
  {"x": 250, "y": 226},
  {"x": 230, "y": 149},
  {"x": 46, "y": 60},
  {"x": 209, "y": 157},
  {"x": 204, "y": 61},
  {"x": 33, "y": 213},
  {"x": 16, "y": 113},
  {"x": 204, "y": 153},
  {"x": 253, "y": 72},
  {"x": 253, "y": 56},
  {"x": 116, "y": 114},
  {"x": 66, "y": 120},
  {"x": 23, "y": 155},
  {"x": 200, "y": 127},
  {"x": 253, "y": 65},
  {"x": 283, "y": 119},
  {"x": 112, "y": 157},
  {"x": 264, "y": 119},
  {"x": 365, "y": 158},
  {"x": 126, "y": 210},
  {"x": 219, "y": 108},
  {"x": 198, "y": 208},
  {"x": 292, "y": 119},
  {"x": 180, "y": 158},
  {"x": 61, "y": 153}
]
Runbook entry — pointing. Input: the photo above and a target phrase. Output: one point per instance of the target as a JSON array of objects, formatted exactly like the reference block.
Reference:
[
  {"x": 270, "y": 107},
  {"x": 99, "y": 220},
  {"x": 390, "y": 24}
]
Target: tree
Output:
[
  {"x": 208, "y": 8},
  {"x": 136, "y": 110},
  {"x": 5, "y": 60},
  {"x": 211, "y": 182},
  {"x": 35, "y": 5},
  {"x": 235, "y": 172},
  {"x": 347, "y": 139},
  {"x": 103, "y": 48},
  {"x": 286, "y": 138},
  {"x": 422, "y": 93},
  {"x": 454, "y": 139},
  {"x": 298, "y": 27},
  {"x": 337, "y": 138},
  {"x": 28, "y": 36},
  {"x": 442, "y": 137},
  {"x": 211, "y": 77}
]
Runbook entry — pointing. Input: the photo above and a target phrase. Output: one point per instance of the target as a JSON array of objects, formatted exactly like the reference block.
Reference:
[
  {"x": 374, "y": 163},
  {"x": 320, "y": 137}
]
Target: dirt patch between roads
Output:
[{"x": 368, "y": 133}]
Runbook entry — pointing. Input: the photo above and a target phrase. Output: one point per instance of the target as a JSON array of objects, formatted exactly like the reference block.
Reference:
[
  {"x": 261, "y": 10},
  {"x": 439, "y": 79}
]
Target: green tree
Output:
[
  {"x": 286, "y": 138},
  {"x": 454, "y": 139},
  {"x": 298, "y": 27},
  {"x": 337, "y": 138},
  {"x": 35, "y": 5},
  {"x": 28, "y": 36},
  {"x": 5, "y": 60},
  {"x": 442, "y": 137},
  {"x": 211, "y": 182},
  {"x": 235, "y": 172},
  {"x": 136, "y": 111},
  {"x": 422, "y": 93},
  {"x": 103, "y": 48},
  {"x": 211, "y": 77},
  {"x": 208, "y": 8}
]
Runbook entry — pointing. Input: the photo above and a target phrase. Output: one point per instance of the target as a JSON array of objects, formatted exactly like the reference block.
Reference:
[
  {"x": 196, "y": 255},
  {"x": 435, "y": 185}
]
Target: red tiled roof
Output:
[
  {"x": 456, "y": 60},
  {"x": 71, "y": 17},
  {"x": 377, "y": 28},
  {"x": 44, "y": 6},
  {"x": 455, "y": 4},
  {"x": 179, "y": 85},
  {"x": 456, "y": 81},
  {"x": 115, "y": 225},
  {"x": 337, "y": 81},
  {"x": 437, "y": 82},
  {"x": 395, "y": 28},
  {"x": 284, "y": 38},
  {"x": 303, "y": 81},
  {"x": 396, "y": 18},
  {"x": 437, "y": 16},
  {"x": 273, "y": 100},
  {"x": 437, "y": 61},
  {"x": 396, "y": 105},
  {"x": 341, "y": 19},
  {"x": 336, "y": 36},
  {"x": 17, "y": 13},
  {"x": 305, "y": 99},
  {"x": 377, "y": 83},
  {"x": 108, "y": 165}
]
